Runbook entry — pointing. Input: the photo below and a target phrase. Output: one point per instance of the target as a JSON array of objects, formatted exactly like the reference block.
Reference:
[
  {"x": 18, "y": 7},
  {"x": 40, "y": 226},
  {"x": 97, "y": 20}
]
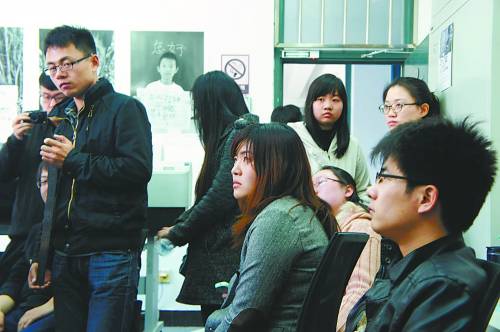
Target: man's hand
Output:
[
  {"x": 32, "y": 275},
  {"x": 55, "y": 150},
  {"x": 21, "y": 125},
  {"x": 163, "y": 233}
]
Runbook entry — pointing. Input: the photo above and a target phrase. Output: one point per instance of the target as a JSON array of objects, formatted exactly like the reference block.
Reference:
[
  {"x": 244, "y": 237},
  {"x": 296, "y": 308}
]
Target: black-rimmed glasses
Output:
[
  {"x": 52, "y": 70},
  {"x": 396, "y": 108},
  {"x": 379, "y": 178}
]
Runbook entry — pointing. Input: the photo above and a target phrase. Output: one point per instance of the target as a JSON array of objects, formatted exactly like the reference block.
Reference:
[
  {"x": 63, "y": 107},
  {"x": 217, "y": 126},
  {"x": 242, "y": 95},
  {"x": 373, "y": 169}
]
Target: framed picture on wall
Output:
[{"x": 163, "y": 69}]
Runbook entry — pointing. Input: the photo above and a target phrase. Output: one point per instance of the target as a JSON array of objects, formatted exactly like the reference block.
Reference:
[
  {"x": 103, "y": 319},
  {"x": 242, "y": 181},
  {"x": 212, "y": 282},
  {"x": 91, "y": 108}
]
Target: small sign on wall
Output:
[
  {"x": 445, "y": 57},
  {"x": 237, "y": 67}
]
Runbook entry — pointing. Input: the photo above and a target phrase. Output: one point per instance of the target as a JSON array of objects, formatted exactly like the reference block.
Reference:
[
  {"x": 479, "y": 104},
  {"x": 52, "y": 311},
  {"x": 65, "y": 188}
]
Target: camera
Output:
[{"x": 37, "y": 117}]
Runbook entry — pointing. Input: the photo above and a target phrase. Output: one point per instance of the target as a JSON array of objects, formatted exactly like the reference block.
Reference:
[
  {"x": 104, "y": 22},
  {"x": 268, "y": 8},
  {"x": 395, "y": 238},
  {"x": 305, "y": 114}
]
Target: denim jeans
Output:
[{"x": 95, "y": 293}]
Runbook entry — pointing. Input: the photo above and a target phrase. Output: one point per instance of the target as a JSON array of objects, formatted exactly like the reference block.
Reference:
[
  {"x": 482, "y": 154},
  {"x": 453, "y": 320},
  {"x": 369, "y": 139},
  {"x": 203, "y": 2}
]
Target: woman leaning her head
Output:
[{"x": 408, "y": 99}]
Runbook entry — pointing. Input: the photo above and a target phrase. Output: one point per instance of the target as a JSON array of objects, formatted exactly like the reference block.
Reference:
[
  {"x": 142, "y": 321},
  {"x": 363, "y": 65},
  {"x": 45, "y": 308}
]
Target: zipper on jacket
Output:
[{"x": 75, "y": 132}]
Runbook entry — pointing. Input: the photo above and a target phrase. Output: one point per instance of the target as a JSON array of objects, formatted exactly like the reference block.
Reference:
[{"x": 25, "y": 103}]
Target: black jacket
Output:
[
  {"x": 434, "y": 288},
  {"x": 206, "y": 226},
  {"x": 20, "y": 159},
  {"x": 102, "y": 189}
]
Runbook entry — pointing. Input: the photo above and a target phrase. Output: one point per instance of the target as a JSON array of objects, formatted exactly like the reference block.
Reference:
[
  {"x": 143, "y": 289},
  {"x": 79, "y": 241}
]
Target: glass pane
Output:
[
  {"x": 367, "y": 123},
  {"x": 311, "y": 21},
  {"x": 397, "y": 22},
  {"x": 334, "y": 22},
  {"x": 378, "y": 27},
  {"x": 356, "y": 22},
  {"x": 291, "y": 21}
]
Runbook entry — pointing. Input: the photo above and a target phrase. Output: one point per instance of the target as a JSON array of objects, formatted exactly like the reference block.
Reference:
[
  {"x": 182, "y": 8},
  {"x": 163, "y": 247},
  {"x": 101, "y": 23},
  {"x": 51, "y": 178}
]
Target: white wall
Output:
[
  {"x": 422, "y": 20},
  {"x": 229, "y": 26},
  {"x": 474, "y": 90}
]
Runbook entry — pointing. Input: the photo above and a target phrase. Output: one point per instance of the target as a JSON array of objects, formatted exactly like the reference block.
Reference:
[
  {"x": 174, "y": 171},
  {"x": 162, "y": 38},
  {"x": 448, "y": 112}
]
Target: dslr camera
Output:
[{"x": 37, "y": 117}]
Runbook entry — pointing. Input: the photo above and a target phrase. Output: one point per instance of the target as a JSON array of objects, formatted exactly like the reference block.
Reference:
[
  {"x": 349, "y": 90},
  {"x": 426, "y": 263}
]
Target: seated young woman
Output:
[
  {"x": 337, "y": 188},
  {"x": 284, "y": 228}
]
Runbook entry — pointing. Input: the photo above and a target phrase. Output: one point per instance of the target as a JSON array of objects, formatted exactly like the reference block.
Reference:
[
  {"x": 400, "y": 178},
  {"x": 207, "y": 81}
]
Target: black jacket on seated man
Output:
[
  {"x": 440, "y": 278},
  {"x": 19, "y": 159}
]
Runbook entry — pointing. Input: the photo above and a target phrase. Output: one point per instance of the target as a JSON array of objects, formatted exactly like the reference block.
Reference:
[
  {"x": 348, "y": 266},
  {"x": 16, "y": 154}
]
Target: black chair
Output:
[
  {"x": 490, "y": 297},
  {"x": 322, "y": 303}
]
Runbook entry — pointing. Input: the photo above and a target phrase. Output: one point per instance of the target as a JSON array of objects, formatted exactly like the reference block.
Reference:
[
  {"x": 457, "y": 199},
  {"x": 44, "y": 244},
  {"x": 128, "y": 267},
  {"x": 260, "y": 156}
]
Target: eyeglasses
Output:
[
  {"x": 42, "y": 182},
  {"x": 48, "y": 98},
  {"x": 323, "y": 180},
  {"x": 52, "y": 70},
  {"x": 396, "y": 108},
  {"x": 379, "y": 178}
]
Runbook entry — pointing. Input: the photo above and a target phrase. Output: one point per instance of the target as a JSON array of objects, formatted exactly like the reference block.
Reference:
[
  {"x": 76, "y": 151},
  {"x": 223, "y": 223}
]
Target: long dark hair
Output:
[
  {"x": 321, "y": 86},
  {"x": 347, "y": 180},
  {"x": 419, "y": 90},
  {"x": 217, "y": 103},
  {"x": 282, "y": 169}
]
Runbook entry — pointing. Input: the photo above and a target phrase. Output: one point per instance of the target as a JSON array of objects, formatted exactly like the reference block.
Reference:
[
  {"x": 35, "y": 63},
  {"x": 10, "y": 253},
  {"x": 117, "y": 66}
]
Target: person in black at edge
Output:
[
  {"x": 103, "y": 153},
  {"x": 22, "y": 308},
  {"x": 434, "y": 180},
  {"x": 19, "y": 159}
]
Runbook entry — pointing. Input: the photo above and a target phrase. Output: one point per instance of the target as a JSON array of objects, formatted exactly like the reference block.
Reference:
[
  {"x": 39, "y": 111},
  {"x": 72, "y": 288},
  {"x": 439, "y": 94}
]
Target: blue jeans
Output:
[{"x": 95, "y": 293}]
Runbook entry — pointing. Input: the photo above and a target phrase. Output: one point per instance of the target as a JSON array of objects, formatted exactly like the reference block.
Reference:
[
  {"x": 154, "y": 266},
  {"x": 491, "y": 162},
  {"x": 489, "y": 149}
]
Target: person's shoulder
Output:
[
  {"x": 297, "y": 126},
  {"x": 353, "y": 218},
  {"x": 245, "y": 120},
  {"x": 457, "y": 267},
  {"x": 176, "y": 87},
  {"x": 116, "y": 101},
  {"x": 278, "y": 209}
]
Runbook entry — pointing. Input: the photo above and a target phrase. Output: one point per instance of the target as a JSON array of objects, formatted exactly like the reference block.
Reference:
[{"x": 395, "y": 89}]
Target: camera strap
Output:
[{"x": 48, "y": 221}]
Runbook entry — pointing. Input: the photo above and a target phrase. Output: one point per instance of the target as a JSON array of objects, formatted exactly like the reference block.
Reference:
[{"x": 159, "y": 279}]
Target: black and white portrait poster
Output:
[{"x": 164, "y": 67}]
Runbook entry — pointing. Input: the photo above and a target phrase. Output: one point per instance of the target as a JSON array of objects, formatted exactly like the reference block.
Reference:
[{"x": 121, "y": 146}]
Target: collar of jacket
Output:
[
  {"x": 95, "y": 92},
  {"x": 245, "y": 120},
  {"x": 240, "y": 123},
  {"x": 401, "y": 269}
]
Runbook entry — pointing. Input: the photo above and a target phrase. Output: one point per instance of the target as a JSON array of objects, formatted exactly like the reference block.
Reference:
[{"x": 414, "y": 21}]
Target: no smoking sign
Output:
[{"x": 236, "y": 66}]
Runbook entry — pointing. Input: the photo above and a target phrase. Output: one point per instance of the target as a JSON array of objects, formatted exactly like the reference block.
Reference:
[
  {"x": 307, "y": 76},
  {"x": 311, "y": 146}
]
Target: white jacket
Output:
[{"x": 353, "y": 161}]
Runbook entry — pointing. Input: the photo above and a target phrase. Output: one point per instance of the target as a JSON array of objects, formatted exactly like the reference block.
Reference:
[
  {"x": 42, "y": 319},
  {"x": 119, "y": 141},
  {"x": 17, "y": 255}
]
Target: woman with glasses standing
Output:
[
  {"x": 325, "y": 131},
  {"x": 337, "y": 188},
  {"x": 408, "y": 99}
]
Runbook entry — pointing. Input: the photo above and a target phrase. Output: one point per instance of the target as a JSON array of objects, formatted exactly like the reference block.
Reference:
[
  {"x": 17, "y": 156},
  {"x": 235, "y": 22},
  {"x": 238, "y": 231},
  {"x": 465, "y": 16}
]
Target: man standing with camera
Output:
[
  {"x": 19, "y": 158},
  {"x": 103, "y": 153}
]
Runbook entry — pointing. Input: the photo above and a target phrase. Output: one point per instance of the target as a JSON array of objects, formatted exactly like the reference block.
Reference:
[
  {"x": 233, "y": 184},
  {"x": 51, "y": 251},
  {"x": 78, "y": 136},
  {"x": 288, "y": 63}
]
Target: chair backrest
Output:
[
  {"x": 490, "y": 296},
  {"x": 322, "y": 303}
]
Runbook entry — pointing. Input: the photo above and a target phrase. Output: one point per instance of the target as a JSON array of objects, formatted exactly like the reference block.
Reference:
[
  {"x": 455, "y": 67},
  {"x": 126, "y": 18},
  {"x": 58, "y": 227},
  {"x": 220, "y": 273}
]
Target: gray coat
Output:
[{"x": 282, "y": 248}]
